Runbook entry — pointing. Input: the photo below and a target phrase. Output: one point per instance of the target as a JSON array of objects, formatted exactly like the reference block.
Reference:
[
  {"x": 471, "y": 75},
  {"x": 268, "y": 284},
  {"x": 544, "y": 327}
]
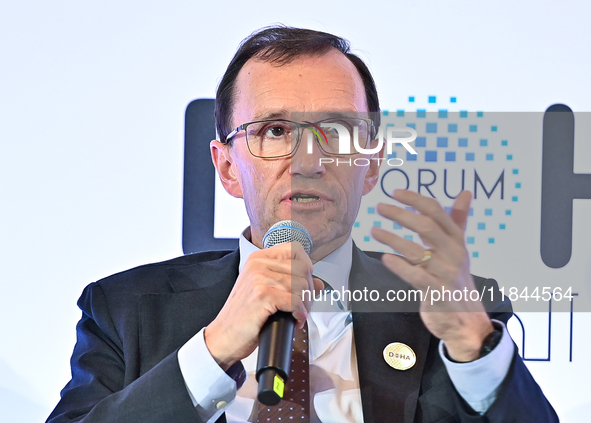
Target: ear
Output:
[
  {"x": 373, "y": 171},
  {"x": 223, "y": 162}
]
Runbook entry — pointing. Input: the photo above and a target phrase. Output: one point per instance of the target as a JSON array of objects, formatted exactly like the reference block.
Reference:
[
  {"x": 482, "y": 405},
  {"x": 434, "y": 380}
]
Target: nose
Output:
[{"x": 305, "y": 160}]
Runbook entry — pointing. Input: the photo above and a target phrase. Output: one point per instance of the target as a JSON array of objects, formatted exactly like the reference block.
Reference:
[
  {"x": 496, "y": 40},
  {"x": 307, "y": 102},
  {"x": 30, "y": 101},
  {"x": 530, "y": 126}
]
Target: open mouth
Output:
[{"x": 304, "y": 198}]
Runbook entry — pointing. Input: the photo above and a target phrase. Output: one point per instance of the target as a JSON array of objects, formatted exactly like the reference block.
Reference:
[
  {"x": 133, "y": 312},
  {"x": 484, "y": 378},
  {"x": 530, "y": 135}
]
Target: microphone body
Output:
[{"x": 276, "y": 337}]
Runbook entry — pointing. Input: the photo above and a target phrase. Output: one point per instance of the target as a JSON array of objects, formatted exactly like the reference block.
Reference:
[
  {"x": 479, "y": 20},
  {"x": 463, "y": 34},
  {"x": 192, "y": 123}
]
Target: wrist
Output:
[
  {"x": 471, "y": 345},
  {"x": 225, "y": 361}
]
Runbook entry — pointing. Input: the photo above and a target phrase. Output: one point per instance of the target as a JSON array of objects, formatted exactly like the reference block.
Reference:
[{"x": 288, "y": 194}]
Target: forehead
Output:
[{"x": 327, "y": 83}]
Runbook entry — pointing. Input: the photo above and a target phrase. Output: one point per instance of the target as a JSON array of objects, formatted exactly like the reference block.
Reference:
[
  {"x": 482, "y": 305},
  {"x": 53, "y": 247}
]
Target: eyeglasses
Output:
[{"x": 279, "y": 137}]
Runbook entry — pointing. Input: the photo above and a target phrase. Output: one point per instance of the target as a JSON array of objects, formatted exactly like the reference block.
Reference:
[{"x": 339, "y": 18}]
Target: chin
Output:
[
  {"x": 313, "y": 224},
  {"x": 322, "y": 233},
  {"x": 322, "y": 228}
]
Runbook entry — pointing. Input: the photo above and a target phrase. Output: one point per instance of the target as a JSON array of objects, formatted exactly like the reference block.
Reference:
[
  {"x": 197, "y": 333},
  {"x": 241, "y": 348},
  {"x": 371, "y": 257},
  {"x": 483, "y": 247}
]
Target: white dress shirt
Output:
[{"x": 334, "y": 382}]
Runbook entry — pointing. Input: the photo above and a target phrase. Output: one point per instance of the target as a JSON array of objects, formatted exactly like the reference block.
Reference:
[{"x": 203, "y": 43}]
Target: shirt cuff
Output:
[
  {"x": 477, "y": 381},
  {"x": 210, "y": 388}
]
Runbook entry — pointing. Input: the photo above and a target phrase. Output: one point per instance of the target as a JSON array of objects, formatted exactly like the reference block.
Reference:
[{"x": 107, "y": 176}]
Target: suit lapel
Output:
[
  {"x": 387, "y": 394},
  {"x": 168, "y": 320}
]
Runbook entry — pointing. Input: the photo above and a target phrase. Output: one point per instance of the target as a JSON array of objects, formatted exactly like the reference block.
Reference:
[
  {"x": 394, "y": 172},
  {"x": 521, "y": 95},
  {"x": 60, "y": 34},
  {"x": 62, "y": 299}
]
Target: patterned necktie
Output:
[{"x": 295, "y": 405}]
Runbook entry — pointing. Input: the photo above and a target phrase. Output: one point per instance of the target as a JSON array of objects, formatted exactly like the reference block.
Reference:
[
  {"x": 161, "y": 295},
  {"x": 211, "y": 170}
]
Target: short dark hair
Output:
[{"x": 280, "y": 45}]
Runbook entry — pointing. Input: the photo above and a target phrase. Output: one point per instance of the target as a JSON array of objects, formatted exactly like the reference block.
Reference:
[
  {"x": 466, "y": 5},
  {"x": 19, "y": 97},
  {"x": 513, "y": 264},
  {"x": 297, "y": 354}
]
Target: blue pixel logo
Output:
[{"x": 456, "y": 150}]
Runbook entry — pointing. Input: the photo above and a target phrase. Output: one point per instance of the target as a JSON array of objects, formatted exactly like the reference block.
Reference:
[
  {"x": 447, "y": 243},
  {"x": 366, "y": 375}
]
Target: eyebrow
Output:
[
  {"x": 285, "y": 114},
  {"x": 279, "y": 114},
  {"x": 343, "y": 114}
]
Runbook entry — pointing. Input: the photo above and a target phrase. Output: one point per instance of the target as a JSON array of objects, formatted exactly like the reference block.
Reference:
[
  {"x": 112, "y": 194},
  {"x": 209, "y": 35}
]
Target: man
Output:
[{"x": 171, "y": 341}]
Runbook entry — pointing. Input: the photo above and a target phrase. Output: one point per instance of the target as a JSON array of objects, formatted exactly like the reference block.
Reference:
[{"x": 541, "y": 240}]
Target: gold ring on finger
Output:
[{"x": 425, "y": 259}]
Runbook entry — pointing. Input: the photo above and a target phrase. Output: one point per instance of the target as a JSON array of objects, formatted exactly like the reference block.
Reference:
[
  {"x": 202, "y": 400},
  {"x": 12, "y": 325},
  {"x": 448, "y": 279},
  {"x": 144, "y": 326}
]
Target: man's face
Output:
[{"x": 323, "y": 197}]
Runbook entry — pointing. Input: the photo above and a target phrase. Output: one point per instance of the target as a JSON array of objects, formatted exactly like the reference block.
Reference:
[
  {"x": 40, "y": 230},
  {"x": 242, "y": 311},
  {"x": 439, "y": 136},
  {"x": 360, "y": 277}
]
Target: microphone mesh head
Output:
[{"x": 287, "y": 231}]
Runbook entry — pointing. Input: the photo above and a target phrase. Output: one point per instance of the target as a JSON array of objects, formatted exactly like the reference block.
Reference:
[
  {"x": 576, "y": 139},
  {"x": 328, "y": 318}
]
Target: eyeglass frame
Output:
[{"x": 305, "y": 124}]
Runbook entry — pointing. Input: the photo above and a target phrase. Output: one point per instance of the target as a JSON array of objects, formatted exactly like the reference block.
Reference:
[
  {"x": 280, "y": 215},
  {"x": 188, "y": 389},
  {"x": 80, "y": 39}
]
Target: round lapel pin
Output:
[{"x": 399, "y": 356}]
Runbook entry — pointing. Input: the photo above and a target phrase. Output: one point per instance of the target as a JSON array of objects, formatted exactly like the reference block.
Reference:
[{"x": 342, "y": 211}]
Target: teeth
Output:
[{"x": 304, "y": 199}]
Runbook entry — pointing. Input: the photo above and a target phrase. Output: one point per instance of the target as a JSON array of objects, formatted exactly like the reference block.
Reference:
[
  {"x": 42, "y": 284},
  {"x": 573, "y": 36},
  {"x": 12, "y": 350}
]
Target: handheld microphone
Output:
[{"x": 276, "y": 337}]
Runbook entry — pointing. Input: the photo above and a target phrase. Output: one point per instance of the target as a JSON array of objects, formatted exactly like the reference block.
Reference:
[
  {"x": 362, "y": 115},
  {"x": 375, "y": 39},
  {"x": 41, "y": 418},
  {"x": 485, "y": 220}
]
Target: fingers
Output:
[
  {"x": 318, "y": 284},
  {"x": 287, "y": 270},
  {"x": 273, "y": 279},
  {"x": 461, "y": 209},
  {"x": 426, "y": 227},
  {"x": 415, "y": 275},
  {"x": 285, "y": 251},
  {"x": 446, "y": 271},
  {"x": 443, "y": 233},
  {"x": 411, "y": 250},
  {"x": 285, "y": 265},
  {"x": 308, "y": 296},
  {"x": 432, "y": 215},
  {"x": 281, "y": 300}
]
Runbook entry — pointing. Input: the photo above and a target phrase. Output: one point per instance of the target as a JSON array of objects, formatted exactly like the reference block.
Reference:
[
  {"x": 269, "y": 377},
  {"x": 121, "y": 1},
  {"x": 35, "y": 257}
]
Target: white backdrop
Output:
[{"x": 92, "y": 99}]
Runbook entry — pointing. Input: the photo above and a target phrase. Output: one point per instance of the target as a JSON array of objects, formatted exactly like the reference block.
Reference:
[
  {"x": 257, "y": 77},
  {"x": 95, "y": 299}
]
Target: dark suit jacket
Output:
[{"x": 125, "y": 367}]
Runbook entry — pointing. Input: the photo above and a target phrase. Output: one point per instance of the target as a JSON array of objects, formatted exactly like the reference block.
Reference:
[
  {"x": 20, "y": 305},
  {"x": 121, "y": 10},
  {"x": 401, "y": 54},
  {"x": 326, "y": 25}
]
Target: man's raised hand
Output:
[{"x": 444, "y": 265}]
